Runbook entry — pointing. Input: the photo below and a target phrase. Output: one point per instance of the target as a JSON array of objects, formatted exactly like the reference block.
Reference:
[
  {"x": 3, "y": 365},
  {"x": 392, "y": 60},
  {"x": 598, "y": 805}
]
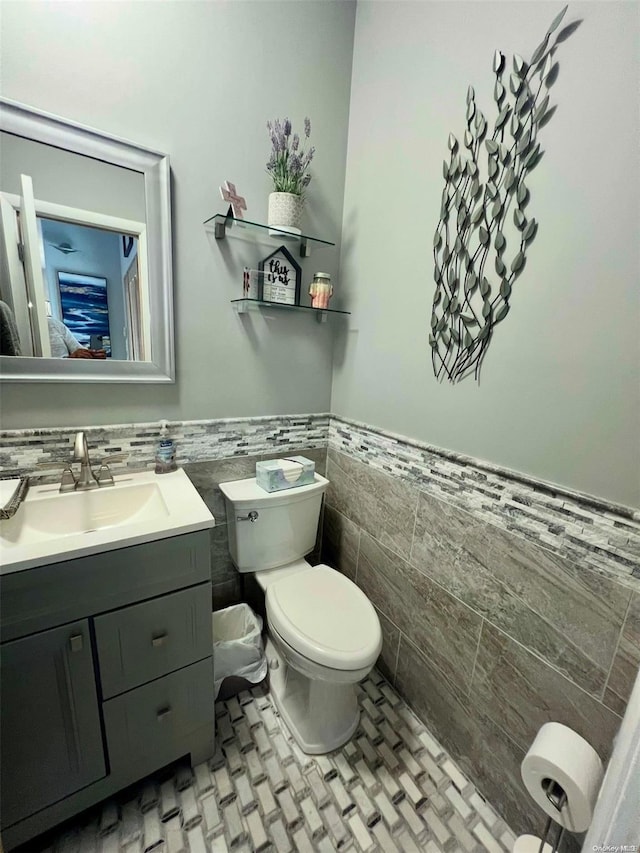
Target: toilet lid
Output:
[{"x": 325, "y": 617}]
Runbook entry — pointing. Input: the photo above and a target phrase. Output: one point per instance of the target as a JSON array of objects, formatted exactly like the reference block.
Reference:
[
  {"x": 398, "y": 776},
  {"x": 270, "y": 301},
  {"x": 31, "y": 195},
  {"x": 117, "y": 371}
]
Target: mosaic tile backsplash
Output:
[
  {"x": 605, "y": 536},
  {"x": 127, "y": 447}
]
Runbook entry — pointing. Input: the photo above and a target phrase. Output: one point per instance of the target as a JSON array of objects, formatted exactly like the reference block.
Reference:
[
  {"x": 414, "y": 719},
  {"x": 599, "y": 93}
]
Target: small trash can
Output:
[{"x": 237, "y": 646}]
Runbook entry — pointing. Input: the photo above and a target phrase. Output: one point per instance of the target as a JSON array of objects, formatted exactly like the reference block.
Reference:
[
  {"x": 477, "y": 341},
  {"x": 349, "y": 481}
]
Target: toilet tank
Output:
[{"x": 284, "y": 528}]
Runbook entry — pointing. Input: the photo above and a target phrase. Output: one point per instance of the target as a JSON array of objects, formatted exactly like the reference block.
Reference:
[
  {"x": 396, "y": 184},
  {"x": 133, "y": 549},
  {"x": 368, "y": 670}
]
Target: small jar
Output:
[{"x": 320, "y": 290}]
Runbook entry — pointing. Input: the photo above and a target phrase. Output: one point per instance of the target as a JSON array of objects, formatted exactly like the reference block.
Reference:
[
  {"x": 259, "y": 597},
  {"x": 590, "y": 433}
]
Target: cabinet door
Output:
[{"x": 50, "y": 736}]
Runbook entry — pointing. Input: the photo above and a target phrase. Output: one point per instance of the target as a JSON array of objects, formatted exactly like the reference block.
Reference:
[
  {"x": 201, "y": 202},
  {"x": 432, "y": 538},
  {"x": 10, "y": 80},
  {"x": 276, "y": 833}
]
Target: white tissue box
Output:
[{"x": 276, "y": 474}]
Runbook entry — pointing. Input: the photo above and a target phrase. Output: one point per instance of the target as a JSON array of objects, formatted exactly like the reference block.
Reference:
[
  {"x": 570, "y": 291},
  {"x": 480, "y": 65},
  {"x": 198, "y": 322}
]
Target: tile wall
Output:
[
  {"x": 128, "y": 447},
  {"x": 493, "y": 622}
]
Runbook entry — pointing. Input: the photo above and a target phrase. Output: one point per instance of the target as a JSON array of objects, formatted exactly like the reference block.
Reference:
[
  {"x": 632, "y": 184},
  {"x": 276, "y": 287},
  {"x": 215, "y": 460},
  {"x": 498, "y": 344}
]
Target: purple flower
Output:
[
  {"x": 288, "y": 163},
  {"x": 295, "y": 164},
  {"x": 308, "y": 158},
  {"x": 280, "y": 144}
]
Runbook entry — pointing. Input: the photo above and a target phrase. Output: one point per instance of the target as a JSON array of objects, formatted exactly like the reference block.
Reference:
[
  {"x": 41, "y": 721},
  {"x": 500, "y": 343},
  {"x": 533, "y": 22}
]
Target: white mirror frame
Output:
[{"x": 22, "y": 120}]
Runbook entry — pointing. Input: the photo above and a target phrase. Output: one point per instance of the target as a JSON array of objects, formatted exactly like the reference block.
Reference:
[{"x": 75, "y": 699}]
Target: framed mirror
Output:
[{"x": 86, "y": 292}]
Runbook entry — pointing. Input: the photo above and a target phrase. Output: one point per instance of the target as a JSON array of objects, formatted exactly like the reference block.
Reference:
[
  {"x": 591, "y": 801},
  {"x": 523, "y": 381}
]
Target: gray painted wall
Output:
[
  {"x": 560, "y": 390},
  {"x": 199, "y": 81}
]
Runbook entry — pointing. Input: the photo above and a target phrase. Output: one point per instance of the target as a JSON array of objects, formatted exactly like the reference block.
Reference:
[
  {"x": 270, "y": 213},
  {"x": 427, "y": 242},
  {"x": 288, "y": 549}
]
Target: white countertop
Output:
[{"x": 142, "y": 507}]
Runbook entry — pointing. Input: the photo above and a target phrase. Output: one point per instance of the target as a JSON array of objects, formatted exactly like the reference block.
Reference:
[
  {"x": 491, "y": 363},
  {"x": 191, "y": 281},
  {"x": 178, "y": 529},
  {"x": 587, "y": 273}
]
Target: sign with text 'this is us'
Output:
[{"x": 280, "y": 278}]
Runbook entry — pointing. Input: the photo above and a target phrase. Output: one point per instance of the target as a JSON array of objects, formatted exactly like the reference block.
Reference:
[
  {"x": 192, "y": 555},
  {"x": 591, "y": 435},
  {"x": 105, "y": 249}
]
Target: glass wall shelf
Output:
[
  {"x": 244, "y": 305},
  {"x": 221, "y": 225}
]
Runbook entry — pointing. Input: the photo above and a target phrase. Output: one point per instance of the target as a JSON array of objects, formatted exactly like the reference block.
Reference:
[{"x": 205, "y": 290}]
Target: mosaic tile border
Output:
[
  {"x": 602, "y": 535},
  {"x": 126, "y": 447}
]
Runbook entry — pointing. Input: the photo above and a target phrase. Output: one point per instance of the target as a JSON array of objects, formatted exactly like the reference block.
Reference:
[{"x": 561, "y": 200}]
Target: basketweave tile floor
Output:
[{"x": 392, "y": 788}]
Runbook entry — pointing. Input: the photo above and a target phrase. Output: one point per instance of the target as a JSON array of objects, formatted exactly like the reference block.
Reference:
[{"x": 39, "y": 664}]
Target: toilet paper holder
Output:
[
  {"x": 562, "y": 772},
  {"x": 557, "y": 796}
]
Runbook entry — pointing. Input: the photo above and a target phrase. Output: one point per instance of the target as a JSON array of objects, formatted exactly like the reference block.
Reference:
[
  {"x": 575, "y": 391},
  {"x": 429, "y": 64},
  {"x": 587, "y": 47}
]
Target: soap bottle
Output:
[{"x": 166, "y": 452}]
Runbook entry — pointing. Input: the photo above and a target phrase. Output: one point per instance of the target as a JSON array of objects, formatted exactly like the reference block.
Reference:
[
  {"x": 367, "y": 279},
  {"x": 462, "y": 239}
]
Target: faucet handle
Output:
[
  {"x": 104, "y": 476},
  {"x": 68, "y": 481}
]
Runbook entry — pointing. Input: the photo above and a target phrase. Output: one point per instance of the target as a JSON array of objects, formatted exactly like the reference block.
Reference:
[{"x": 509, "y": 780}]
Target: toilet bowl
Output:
[
  {"x": 323, "y": 637},
  {"x": 323, "y": 634}
]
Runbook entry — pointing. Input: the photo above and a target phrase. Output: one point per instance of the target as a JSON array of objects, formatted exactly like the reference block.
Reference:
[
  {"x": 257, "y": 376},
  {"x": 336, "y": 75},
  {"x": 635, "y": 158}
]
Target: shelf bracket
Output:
[
  {"x": 220, "y": 229},
  {"x": 305, "y": 248},
  {"x": 241, "y": 307},
  {"x": 321, "y": 316}
]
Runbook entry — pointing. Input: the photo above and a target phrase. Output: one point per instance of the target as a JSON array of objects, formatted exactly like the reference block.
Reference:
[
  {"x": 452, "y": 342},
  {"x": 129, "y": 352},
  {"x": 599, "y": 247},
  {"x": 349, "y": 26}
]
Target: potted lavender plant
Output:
[{"x": 289, "y": 169}]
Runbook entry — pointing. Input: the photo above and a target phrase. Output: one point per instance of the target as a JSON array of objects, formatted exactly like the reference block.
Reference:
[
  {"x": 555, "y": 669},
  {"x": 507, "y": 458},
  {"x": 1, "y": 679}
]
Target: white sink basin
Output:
[{"x": 50, "y": 526}]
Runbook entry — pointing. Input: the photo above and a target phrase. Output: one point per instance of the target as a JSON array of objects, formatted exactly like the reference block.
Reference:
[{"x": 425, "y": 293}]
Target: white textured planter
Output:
[{"x": 285, "y": 212}]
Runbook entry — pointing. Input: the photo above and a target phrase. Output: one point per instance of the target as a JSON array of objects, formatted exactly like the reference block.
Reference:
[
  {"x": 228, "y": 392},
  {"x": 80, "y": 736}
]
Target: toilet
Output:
[{"x": 323, "y": 634}]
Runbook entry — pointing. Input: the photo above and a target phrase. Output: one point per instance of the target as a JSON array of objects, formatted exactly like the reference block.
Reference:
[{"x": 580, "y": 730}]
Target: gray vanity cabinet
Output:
[
  {"x": 50, "y": 720},
  {"x": 106, "y": 668}
]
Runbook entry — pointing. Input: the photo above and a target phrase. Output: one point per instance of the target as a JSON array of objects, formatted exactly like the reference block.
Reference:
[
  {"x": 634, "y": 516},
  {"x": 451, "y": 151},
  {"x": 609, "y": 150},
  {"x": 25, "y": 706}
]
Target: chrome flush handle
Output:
[{"x": 252, "y": 517}]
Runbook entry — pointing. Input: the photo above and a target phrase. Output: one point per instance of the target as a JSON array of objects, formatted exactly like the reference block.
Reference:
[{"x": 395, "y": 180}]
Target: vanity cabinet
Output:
[{"x": 106, "y": 676}]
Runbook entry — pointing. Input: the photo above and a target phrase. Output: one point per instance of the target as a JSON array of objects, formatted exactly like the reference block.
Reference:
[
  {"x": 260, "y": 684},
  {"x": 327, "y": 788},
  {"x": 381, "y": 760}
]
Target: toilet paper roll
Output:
[
  {"x": 530, "y": 844},
  {"x": 560, "y": 754}
]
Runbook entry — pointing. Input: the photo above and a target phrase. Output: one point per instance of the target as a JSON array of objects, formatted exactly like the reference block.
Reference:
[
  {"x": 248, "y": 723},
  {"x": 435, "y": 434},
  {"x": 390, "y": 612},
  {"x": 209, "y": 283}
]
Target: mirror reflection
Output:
[{"x": 73, "y": 255}]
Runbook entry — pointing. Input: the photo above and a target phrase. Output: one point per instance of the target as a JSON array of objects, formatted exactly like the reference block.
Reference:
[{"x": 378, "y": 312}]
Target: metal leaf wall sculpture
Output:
[{"x": 479, "y": 213}]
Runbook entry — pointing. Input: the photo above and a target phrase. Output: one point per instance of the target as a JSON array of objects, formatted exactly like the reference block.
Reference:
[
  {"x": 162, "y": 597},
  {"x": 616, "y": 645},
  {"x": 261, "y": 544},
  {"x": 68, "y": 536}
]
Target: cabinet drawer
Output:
[
  {"x": 153, "y": 722},
  {"x": 74, "y": 589},
  {"x": 143, "y": 642}
]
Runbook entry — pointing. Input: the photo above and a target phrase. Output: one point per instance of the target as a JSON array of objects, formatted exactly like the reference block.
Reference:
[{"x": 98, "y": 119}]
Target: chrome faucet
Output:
[{"x": 86, "y": 480}]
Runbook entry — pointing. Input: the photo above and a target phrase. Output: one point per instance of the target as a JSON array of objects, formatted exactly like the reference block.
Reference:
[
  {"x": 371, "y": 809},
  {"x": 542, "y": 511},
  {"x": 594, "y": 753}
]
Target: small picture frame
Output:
[
  {"x": 127, "y": 244},
  {"x": 250, "y": 283},
  {"x": 281, "y": 278}
]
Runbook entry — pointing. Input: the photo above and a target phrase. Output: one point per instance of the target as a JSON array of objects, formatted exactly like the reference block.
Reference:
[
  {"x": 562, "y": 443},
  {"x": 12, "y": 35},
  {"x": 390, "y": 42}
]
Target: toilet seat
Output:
[{"x": 326, "y": 618}]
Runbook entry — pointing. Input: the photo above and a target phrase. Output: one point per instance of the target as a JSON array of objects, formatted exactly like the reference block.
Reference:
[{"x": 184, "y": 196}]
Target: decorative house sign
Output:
[
  {"x": 281, "y": 278},
  {"x": 484, "y": 220}
]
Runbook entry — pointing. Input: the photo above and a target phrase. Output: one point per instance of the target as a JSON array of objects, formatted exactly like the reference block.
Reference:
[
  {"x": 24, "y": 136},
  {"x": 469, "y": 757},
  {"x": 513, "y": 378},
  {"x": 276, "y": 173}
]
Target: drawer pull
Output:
[
  {"x": 163, "y": 713},
  {"x": 159, "y": 640},
  {"x": 75, "y": 643}
]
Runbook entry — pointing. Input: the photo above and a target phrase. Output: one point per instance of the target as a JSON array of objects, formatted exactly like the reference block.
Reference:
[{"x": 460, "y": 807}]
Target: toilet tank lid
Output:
[{"x": 249, "y": 493}]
